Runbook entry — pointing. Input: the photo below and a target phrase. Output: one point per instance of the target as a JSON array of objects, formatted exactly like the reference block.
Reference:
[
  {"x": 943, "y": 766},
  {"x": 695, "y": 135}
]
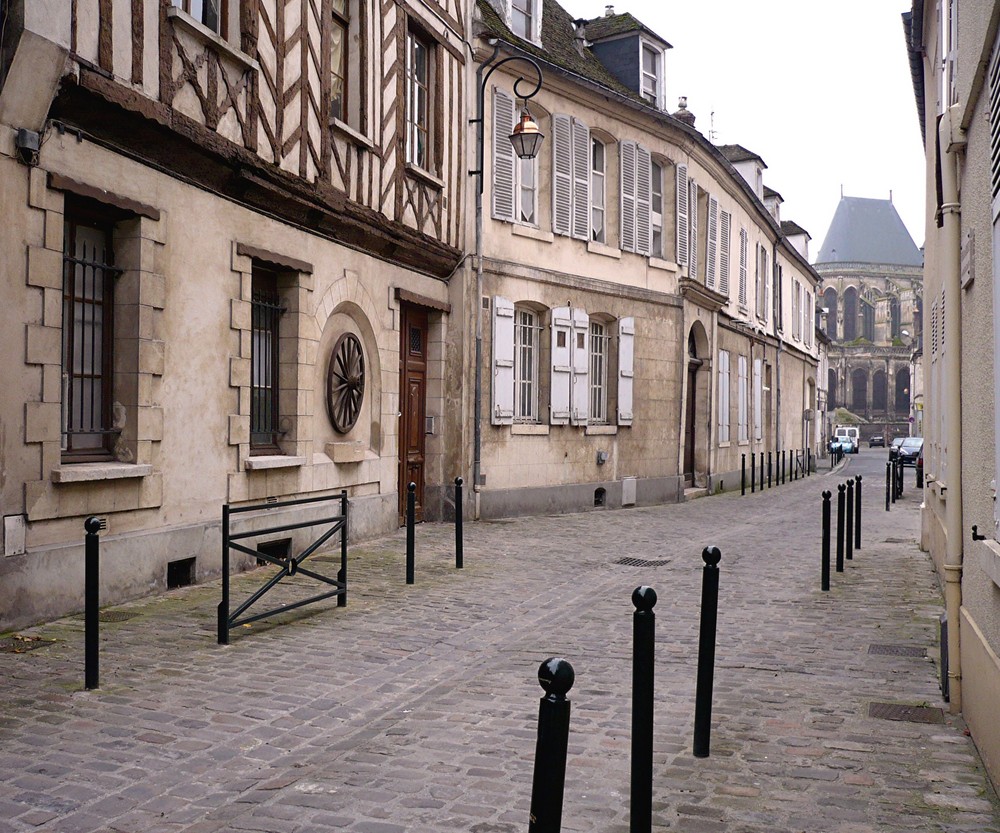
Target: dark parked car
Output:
[
  {"x": 910, "y": 450},
  {"x": 894, "y": 447},
  {"x": 876, "y": 440}
]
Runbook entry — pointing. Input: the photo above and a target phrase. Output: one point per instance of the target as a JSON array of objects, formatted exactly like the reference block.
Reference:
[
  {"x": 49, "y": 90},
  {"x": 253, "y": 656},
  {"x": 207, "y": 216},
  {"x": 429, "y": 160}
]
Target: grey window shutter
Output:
[
  {"x": 503, "y": 361},
  {"x": 562, "y": 366},
  {"x": 581, "y": 180},
  {"x": 643, "y": 197},
  {"x": 693, "y": 229},
  {"x": 744, "y": 252},
  {"x": 712, "y": 249},
  {"x": 562, "y": 175},
  {"x": 682, "y": 215},
  {"x": 626, "y": 360},
  {"x": 627, "y": 180},
  {"x": 504, "y": 158},
  {"x": 725, "y": 227}
]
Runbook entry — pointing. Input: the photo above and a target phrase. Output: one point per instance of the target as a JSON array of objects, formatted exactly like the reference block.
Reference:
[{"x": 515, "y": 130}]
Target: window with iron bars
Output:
[
  {"x": 526, "y": 344},
  {"x": 598, "y": 374},
  {"x": 265, "y": 316},
  {"x": 88, "y": 434}
]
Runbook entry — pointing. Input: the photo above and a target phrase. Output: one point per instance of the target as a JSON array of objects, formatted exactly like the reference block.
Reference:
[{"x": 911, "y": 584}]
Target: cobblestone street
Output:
[{"x": 414, "y": 708}]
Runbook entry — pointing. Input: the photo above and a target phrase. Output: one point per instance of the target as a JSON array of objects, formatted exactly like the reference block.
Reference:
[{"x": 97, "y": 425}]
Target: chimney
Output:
[
  {"x": 683, "y": 114},
  {"x": 609, "y": 11}
]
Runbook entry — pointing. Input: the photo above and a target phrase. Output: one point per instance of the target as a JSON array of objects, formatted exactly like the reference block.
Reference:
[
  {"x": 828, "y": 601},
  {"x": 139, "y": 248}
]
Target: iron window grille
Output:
[
  {"x": 265, "y": 315},
  {"x": 598, "y": 374},
  {"x": 526, "y": 341},
  {"x": 88, "y": 434}
]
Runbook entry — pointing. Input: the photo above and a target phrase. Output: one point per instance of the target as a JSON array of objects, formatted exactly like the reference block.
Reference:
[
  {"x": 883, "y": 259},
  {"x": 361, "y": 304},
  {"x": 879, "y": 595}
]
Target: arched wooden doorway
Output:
[{"x": 696, "y": 408}]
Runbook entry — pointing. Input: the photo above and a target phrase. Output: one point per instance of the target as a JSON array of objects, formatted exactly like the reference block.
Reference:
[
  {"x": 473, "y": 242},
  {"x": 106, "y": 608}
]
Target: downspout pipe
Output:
[{"x": 951, "y": 215}]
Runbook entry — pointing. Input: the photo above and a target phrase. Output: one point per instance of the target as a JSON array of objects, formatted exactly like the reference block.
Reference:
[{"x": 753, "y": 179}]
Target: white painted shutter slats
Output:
[
  {"x": 682, "y": 215},
  {"x": 744, "y": 244},
  {"x": 503, "y": 361},
  {"x": 581, "y": 368},
  {"x": 627, "y": 169},
  {"x": 643, "y": 198},
  {"x": 562, "y": 174},
  {"x": 723, "y": 396},
  {"x": 504, "y": 158},
  {"x": 758, "y": 394},
  {"x": 713, "y": 242},
  {"x": 693, "y": 230},
  {"x": 581, "y": 180},
  {"x": 725, "y": 228},
  {"x": 626, "y": 360},
  {"x": 562, "y": 366}
]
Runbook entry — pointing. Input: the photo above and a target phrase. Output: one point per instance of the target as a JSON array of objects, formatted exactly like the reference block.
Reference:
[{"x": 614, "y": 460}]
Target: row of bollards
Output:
[
  {"x": 797, "y": 463},
  {"x": 893, "y": 481},
  {"x": 556, "y": 677},
  {"x": 411, "y": 522},
  {"x": 848, "y": 527}
]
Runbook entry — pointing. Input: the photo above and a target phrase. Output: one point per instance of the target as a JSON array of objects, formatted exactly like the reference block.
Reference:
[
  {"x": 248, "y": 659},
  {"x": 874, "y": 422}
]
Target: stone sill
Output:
[
  {"x": 273, "y": 461},
  {"x": 532, "y": 232},
  {"x": 601, "y": 430},
  {"x": 530, "y": 430},
  {"x": 660, "y": 263},
  {"x": 89, "y": 472},
  {"x": 601, "y": 249}
]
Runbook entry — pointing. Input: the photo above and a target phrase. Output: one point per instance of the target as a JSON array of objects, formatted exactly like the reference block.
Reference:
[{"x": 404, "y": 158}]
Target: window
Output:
[
  {"x": 758, "y": 401},
  {"x": 525, "y": 365},
  {"x": 723, "y": 396},
  {"x": 265, "y": 313},
  {"x": 656, "y": 209},
  {"x": 418, "y": 104},
  {"x": 692, "y": 229},
  {"x": 87, "y": 338},
  {"x": 598, "y": 174},
  {"x": 598, "y": 373},
  {"x": 339, "y": 95},
  {"x": 796, "y": 316},
  {"x": 744, "y": 253},
  {"x": 762, "y": 282},
  {"x": 572, "y": 166},
  {"x": 725, "y": 228},
  {"x": 515, "y": 181},
  {"x": 741, "y": 396},
  {"x": 712, "y": 246},
  {"x": 651, "y": 74},
  {"x": 522, "y": 13},
  {"x": 635, "y": 167},
  {"x": 210, "y": 13}
]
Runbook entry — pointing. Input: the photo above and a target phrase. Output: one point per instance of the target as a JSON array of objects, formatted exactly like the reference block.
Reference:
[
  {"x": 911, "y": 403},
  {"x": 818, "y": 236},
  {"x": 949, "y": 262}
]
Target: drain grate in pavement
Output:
[
  {"x": 117, "y": 615},
  {"x": 21, "y": 644},
  {"x": 911, "y": 714},
  {"x": 898, "y": 650},
  {"x": 641, "y": 562}
]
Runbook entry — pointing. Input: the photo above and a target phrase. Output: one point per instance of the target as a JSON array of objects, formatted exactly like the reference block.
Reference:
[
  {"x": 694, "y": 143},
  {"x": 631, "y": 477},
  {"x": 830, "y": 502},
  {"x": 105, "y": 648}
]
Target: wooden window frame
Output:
[
  {"x": 603, "y": 192},
  {"x": 341, "y": 20},
  {"x": 417, "y": 127},
  {"x": 656, "y": 217},
  {"x": 221, "y": 30}
]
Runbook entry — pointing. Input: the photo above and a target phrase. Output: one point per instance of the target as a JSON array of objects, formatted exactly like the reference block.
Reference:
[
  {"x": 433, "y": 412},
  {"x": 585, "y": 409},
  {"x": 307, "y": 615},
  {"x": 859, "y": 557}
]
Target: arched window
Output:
[
  {"x": 879, "y": 397},
  {"x": 903, "y": 392},
  {"x": 850, "y": 314},
  {"x": 859, "y": 391},
  {"x": 831, "y": 389},
  {"x": 830, "y": 302}
]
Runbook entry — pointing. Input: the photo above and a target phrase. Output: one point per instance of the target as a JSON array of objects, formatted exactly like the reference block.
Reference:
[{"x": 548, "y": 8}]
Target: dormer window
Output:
[
  {"x": 651, "y": 80},
  {"x": 526, "y": 19}
]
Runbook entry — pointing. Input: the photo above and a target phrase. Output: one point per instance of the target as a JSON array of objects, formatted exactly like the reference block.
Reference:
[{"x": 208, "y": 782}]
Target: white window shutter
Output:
[
  {"x": 758, "y": 404},
  {"x": 725, "y": 227},
  {"x": 581, "y": 180},
  {"x": 693, "y": 229},
  {"x": 768, "y": 297},
  {"x": 562, "y": 175},
  {"x": 741, "y": 399},
  {"x": 627, "y": 179},
  {"x": 581, "y": 368},
  {"x": 504, "y": 158},
  {"x": 643, "y": 198},
  {"x": 682, "y": 215},
  {"x": 713, "y": 242},
  {"x": 723, "y": 396},
  {"x": 744, "y": 252},
  {"x": 503, "y": 361},
  {"x": 562, "y": 366},
  {"x": 626, "y": 360}
]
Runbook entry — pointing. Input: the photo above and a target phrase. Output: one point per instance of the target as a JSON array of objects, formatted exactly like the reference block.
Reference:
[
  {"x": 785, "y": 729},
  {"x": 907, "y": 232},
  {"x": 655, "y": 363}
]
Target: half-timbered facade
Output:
[{"x": 229, "y": 231}]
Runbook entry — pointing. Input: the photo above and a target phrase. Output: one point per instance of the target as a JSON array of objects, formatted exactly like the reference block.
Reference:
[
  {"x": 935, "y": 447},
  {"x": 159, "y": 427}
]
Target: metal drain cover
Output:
[
  {"x": 22, "y": 644},
  {"x": 117, "y": 615},
  {"x": 641, "y": 562},
  {"x": 899, "y": 711},
  {"x": 898, "y": 650}
]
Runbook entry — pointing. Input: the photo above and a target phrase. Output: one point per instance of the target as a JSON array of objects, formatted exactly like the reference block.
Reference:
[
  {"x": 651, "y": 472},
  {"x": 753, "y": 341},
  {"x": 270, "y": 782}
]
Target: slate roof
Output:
[
  {"x": 608, "y": 26},
  {"x": 789, "y": 228},
  {"x": 738, "y": 153},
  {"x": 770, "y": 192},
  {"x": 868, "y": 231}
]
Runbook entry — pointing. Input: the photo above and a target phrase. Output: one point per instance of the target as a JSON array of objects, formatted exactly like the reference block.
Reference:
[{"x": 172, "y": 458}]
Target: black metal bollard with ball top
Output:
[
  {"x": 458, "y": 523},
  {"x": 706, "y": 652},
  {"x": 743, "y": 474},
  {"x": 92, "y": 604},
  {"x": 555, "y": 676},
  {"x": 840, "y": 527},
  {"x": 825, "y": 565},
  {"x": 411, "y": 511},
  {"x": 643, "y": 641},
  {"x": 857, "y": 511}
]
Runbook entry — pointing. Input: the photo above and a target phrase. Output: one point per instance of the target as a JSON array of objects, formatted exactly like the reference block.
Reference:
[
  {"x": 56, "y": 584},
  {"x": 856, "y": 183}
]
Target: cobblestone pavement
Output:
[{"x": 414, "y": 707}]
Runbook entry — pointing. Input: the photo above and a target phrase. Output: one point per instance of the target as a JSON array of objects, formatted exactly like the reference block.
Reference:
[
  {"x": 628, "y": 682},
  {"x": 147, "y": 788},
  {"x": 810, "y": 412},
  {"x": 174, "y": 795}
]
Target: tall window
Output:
[
  {"x": 527, "y": 191},
  {"x": 338, "y": 59},
  {"x": 87, "y": 339},
  {"x": 525, "y": 365},
  {"x": 522, "y": 13},
  {"x": 656, "y": 208},
  {"x": 265, "y": 314},
  {"x": 650, "y": 84},
  {"x": 598, "y": 173},
  {"x": 741, "y": 395},
  {"x": 758, "y": 401},
  {"x": 210, "y": 13},
  {"x": 744, "y": 246},
  {"x": 418, "y": 116},
  {"x": 723, "y": 396},
  {"x": 598, "y": 373}
]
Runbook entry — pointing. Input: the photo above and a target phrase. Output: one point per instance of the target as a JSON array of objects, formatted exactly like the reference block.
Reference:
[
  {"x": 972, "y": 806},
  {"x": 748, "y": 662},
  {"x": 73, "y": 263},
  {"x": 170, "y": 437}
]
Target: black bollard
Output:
[
  {"x": 342, "y": 572},
  {"x": 458, "y": 522},
  {"x": 895, "y": 473},
  {"x": 769, "y": 469},
  {"x": 840, "y": 527},
  {"x": 743, "y": 474},
  {"x": 899, "y": 478},
  {"x": 706, "y": 652},
  {"x": 411, "y": 511},
  {"x": 849, "y": 522},
  {"x": 825, "y": 567},
  {"x": 762, "y": 471},
  {"x": 643, "y": 642},
  {"x": 92, "y": 604},
  {"x": 753, "y": 472},
  {"x": 556, "y": 677},
  {"x": 857, "y": 511},
  {"x": 888, "y": 483},
  {"x": 784, "y": 457},
  {"x": 833, "y": 457},
  {"x": 809, "y": 464}
]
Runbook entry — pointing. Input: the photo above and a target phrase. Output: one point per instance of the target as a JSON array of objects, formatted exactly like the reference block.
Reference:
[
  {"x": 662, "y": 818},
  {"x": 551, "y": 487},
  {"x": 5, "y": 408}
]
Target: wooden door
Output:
[
  {"x": 689, "y": 423},
  {"x": 412, "y": 405}
]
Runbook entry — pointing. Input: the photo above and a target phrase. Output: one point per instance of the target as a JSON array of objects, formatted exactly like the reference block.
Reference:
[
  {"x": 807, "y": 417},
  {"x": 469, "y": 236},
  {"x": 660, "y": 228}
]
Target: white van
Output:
[{"x": 847, "y": 436}]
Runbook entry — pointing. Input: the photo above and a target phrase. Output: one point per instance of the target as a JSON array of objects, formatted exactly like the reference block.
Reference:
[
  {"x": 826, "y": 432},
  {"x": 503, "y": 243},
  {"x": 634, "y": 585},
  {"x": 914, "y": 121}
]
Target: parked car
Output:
[
  {"x": 910, "y": 450},
  {"x": 847, "y": 436},
  {"x": 876, "y": 440},
  {"x": 894, "y": 447}
]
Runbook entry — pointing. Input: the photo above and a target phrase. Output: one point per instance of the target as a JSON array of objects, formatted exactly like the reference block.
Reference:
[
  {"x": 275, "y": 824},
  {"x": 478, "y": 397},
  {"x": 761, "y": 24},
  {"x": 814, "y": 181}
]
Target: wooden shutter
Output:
[
  {"x": 682, "y": 215},
  {"x": 713, "y": 242},
  {"x": 693, "y": 229},
  {"x": 562, "y": 175},
  {"x": 758, "y": 409},
  {"x": 643, "y": 198},
  {"x": 766, "y": 271},
  {"x": 744, "y": 246},
  {"x": 581, "y": 368},
  {"x": 503, "y": 361},
  {"x": 627, "y": 180},
  {"x": 741, "y": 397},
  {"x": 723, "y": 396},
  {"x": 626, "y": 359},
  {"x": 581, "y": 180},
  {"x": 504, "y": 159},
  {"x": 725, "y": 224},
  {"x": 562, "y": 366}
]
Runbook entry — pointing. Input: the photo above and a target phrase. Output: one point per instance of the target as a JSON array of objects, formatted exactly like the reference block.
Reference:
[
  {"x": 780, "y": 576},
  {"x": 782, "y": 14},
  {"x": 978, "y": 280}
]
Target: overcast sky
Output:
[{"x": 820, "y": 91}]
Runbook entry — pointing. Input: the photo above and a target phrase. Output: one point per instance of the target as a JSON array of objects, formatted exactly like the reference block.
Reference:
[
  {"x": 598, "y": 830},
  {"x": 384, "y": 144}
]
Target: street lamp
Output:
[{"x": 527, "y": 141}]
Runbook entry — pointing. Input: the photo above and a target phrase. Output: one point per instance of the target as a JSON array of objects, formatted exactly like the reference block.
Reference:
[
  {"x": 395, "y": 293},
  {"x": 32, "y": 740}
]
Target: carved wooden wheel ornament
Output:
[{"x": 345, "y": 382}]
